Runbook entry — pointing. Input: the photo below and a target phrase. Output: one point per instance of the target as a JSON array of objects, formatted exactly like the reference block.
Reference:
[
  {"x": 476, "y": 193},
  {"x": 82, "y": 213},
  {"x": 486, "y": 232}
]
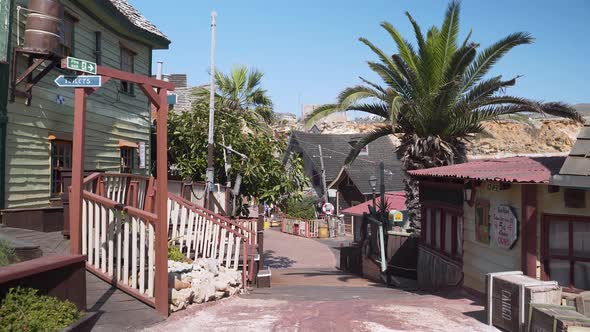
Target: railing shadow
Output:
[{"x": 277, "y": 262}]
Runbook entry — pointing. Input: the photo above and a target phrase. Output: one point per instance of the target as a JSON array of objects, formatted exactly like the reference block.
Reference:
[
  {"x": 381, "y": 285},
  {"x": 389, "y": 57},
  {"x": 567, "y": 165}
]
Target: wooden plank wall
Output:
[
  {"x": 112, "y": 115},
  {"x": 480, "y": 259}
]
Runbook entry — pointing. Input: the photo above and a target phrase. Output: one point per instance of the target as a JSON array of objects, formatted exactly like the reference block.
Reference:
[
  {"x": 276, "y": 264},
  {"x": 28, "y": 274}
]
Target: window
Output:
[
  {"x": 67, "y": 35},
  {"x": 567, "y": 251},
  {"x": 482, "y": 222},
  {"x": 127, "y": 64},
  {"x": 442, "y": 230},
  {"x": 127, "y": 159},
  {"x": 61, "y": 159}
]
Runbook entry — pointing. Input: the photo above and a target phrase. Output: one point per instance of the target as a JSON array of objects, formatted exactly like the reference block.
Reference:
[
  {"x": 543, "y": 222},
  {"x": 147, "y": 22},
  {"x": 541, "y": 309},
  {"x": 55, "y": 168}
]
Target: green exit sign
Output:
[{"x": 80, "y": 65}]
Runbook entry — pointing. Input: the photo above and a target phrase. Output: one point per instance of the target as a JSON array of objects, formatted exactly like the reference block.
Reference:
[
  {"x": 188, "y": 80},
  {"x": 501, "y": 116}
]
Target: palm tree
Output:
[
  {"x": 435, "y": 95},
  {"x": 239, "y": 91}
]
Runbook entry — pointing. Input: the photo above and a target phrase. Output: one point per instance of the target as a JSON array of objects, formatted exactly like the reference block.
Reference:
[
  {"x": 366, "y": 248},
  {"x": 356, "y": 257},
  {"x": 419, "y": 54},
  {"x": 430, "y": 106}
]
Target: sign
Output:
[
  {"x": 504, "y": 227},
  {"x": 59, "y": 99},
  {"x": 332, "y": 192},
  {"x": 172, "y": 98},
  {"x": 80, "y": 65},
  {"x": 81, "y": 81},
  {"x": 396, "y": 216},
  {"x": 142, "y": 155},
  {"x": 328, "y": 208}
]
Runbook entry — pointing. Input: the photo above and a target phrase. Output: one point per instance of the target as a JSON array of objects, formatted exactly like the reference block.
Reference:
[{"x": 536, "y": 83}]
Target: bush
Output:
[
  {"x": 25, "y": 310},
  {"x": 7, "y": 254},
  {"x": 302, "y": 209}
]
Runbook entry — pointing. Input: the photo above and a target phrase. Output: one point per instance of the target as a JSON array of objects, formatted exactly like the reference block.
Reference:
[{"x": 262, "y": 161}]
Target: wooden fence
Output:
[
  {"x": 118, "y": 233},
  {"x": 301, "y": 227}
]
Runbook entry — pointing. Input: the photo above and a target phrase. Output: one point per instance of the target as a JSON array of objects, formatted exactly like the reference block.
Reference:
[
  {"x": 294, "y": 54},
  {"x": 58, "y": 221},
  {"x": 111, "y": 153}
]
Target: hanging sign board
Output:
[
  {"x": 80, "y": 65},
  {"x": 141, "y": 155},
  {"x": 81, "y": 81},
  {"x": 328, "y": 208},
  {"x": 504, "y": 227}
]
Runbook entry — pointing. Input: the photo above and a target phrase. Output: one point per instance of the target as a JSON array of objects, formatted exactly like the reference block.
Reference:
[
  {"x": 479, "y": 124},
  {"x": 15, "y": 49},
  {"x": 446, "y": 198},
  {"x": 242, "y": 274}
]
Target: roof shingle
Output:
[
  {"x": 135, "y": 17},
  {"x": 515, "y": 169}
]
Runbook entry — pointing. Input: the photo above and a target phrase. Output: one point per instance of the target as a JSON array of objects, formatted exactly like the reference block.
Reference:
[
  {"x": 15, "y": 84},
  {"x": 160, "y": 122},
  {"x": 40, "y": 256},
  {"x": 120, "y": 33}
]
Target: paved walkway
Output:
[
  {"x": 118, "y": 311},
  {"x": 309, "y": 294}
]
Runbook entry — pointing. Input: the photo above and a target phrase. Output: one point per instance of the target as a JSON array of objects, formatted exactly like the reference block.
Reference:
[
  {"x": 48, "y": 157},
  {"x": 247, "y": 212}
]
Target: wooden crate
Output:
[
  {"x": 556, "y": 318},
  {"x": 510, "y": 294}
]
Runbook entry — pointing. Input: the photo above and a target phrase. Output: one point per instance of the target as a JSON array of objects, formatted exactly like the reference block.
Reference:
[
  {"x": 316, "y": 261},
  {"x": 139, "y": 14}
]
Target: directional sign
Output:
[
  {"x": 80, "y": 65},
  {"x": 81, "y": 81}
]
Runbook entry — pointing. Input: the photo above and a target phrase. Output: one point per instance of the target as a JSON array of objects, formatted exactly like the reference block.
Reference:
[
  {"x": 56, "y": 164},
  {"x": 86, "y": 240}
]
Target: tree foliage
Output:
[
  {"x": 265, "y": 176},
  {"x": 435, "y": 93}
]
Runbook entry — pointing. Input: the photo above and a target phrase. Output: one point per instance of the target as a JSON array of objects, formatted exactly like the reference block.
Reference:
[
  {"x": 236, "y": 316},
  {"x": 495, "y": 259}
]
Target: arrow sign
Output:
[
  {"x": 81, "y": 81},
  {"x": 80, "y": 65}
]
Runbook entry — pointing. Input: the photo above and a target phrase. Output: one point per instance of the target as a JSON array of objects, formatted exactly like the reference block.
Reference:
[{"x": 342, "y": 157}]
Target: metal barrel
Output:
[{"x": 44, "y": 25}]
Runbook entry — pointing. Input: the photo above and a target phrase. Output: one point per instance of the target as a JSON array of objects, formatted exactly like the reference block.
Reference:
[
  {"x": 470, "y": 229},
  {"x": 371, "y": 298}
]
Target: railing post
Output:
[
  {"x": 161, "y": 280},
  {"x": 77, "y": 171}
]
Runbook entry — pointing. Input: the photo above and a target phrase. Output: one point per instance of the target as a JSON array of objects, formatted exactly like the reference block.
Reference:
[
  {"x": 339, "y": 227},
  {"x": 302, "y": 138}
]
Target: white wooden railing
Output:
[
  {"x": 119, "y": 243},
  {"x": 201, "y": 233}
]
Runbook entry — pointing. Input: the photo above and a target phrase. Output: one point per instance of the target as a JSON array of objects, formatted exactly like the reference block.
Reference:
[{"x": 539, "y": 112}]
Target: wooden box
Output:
[
  {"x": 556, "y": 318},
  {"x": 263, "y": 278},
  {"x": 510, "y": 294}
]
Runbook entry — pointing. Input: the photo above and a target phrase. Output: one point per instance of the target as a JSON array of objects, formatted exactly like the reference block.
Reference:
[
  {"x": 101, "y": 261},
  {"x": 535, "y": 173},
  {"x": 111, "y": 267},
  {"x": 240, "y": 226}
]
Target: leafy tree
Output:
[
  {"x": 435, "y": 94},
  {"x": 240, "y": 90},
  {"x": 265, "y": 176}
]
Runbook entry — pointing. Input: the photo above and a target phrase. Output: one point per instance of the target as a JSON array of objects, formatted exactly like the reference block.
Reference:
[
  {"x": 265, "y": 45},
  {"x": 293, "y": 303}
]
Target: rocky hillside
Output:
[{"x": 499, "y": 138}]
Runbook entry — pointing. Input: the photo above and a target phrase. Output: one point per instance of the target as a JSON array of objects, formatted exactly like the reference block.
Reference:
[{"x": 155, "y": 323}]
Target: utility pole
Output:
[{"x": 210, "y": 148}]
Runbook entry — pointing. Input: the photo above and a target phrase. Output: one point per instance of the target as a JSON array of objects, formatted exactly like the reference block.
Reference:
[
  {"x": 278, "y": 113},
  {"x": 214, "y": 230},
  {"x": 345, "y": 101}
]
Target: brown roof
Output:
[
  {"x": 136, "y": 18},
  {"x": 514, "y": 169},
  {"x": 578, "y": 160}
]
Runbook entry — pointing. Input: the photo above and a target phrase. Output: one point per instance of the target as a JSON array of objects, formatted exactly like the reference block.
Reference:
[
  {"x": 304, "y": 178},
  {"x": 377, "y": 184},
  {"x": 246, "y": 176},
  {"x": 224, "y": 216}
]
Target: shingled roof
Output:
[
  {"x": 135, "y": 17},
  {"x": 575, "y": 171},
  {"x": 335, "y": 148}
]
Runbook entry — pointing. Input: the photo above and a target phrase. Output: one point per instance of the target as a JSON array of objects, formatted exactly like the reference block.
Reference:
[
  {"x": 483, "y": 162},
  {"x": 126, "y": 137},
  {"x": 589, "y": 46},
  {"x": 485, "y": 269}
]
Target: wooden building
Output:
[
  {"x": 38, "y": 137},
  {"x": 502, "y": 215},
  {"x": 348, "y": 185}
]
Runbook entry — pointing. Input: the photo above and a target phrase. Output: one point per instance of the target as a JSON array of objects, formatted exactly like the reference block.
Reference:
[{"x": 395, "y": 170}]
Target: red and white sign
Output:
[
  {"x": 504, "y": 227},
  {"x": 328, "y": 208}
]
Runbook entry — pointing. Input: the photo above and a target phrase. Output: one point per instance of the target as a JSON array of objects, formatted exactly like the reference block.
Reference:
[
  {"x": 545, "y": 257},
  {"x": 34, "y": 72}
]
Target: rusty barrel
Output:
[{"x": 44, "y": 25}]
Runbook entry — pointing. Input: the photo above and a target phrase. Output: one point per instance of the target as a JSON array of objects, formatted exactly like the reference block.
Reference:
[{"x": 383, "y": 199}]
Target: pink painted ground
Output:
[{"x": 309, "y": 294}]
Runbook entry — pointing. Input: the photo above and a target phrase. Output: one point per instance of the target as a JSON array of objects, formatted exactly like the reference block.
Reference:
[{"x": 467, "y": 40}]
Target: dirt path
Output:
[{"x": 309, "y": 294}]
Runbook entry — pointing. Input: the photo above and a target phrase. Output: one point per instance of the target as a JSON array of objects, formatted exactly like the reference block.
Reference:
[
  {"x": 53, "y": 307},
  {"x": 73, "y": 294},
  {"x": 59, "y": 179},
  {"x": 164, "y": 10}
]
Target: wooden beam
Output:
[
  {"x": 529, "y": 230},
  {"x": 77, "y": 170},
  {"x": 151, "y": 94},
  {"x": 161, "y": 286},
  {"x": 133, "y": 78},
  {"x": 90, "y": 91}
]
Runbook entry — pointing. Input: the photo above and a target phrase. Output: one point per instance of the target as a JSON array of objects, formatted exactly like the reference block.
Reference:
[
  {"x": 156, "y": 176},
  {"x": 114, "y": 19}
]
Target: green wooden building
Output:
[{"x": 36, "y": 140}]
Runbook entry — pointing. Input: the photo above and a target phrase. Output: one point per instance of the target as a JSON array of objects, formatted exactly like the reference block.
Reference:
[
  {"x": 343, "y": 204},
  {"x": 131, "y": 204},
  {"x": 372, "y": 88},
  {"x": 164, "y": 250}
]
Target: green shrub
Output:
[
  {"x": 303, "y": 209},
  {"x": 174, "y": 254},
  {"x": 7, "y": 254},
  {"x": 25, "y": 310}
]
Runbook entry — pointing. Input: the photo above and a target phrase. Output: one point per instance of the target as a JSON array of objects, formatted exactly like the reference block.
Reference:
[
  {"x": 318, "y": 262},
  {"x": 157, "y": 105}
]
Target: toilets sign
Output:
[
  {"x": 80, "y": 65},
  {"x": 81, "y": 81}
]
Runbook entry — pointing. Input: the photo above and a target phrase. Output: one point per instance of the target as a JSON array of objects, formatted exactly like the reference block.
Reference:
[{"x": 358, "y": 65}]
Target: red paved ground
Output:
[{"x": 309, "y": 294}]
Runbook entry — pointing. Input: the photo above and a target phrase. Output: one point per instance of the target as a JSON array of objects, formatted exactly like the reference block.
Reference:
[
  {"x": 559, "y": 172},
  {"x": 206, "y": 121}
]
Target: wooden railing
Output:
[
  {"x": 119, "y": 242},
  {"x": 118, "y": 233},
  {"x": 201, "y": 233},
  {"x": 301, "y": 227}
]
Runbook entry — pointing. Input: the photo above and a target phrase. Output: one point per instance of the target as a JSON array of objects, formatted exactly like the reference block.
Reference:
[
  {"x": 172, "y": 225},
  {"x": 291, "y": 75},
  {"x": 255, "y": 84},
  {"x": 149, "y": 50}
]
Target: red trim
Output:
[{"x": 529, "y": 230}]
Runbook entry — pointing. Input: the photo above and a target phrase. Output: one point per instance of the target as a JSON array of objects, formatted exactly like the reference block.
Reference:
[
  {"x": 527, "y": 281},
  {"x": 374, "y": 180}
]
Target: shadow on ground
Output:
[
  {"x": 277, "y": 262},
  {"x": 342, "y": 276}
]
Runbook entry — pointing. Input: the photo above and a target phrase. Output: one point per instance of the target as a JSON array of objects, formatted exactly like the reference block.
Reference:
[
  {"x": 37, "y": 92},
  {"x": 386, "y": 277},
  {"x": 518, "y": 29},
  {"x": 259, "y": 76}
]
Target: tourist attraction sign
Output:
[
  {"x": 396, "y": 216},
  {"x": 328, "y": 208},
  {"x": 80, "y": 65},
  {"x": 504, "y": 227},
  {"x": 79, "y": 81}
]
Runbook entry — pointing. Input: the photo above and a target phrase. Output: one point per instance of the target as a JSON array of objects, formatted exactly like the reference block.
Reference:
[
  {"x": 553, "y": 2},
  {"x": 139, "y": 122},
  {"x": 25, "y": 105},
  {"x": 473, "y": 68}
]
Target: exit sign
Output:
[{"x": 80, "y": 65}]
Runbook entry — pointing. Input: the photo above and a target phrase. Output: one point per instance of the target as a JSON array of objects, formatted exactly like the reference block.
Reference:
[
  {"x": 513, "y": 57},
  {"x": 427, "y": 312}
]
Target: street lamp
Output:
[{"x": 373, "y": 183}]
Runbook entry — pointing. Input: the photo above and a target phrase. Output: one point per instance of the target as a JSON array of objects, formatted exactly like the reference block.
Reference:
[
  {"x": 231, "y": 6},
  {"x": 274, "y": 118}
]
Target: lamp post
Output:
[{"x": 373, "y": 184}]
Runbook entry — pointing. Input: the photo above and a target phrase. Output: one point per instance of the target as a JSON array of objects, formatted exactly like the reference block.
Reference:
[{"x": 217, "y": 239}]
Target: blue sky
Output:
[{"x": 309, "y": 50}]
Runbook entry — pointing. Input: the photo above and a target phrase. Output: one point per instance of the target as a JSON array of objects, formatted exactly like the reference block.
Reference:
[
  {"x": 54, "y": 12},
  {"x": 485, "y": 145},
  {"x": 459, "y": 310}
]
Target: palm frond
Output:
[
  {"x": 380, "y": 53},
  {"x": 351, "y": 95},
  {"x": 448, "y": 34},
  {"x": 488, "y": 57},
  {"x": 321, "y": 112},
  {"x": 405, "y": 49}
]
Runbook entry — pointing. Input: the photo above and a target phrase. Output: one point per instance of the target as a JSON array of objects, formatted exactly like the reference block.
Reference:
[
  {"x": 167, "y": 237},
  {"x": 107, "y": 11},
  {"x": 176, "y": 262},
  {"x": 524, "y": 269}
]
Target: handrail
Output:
[
  {"x": 152, "y": 217},
  {"x": 92, "y": 177},
  {"x": 97, "y": 175},
  {"x": 103, "y": 200},
  {"x": 208, "y": 212}
]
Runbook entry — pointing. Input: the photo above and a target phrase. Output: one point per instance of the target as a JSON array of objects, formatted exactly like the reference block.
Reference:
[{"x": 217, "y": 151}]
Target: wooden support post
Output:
[
  {"x": 529, "y": 230},
  {"x": 77, "y": 171},
  {"x": 161, "y": 280}
]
